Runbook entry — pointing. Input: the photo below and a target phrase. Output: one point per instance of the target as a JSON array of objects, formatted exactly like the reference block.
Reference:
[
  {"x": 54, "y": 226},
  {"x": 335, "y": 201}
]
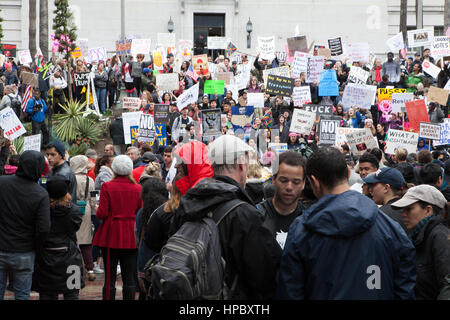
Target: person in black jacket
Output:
[
  {"x": 251, "y": 254},
  {"x": 25, "y": 221},
  {"x": 117, "y": 135},
  {"x": 433, "y": 175},
  {"x": 279, "y": 212},
  {"x": 422, "y": 208},
  {"x": 59, "y": 267},
  {"x": 407, "y": 170}
]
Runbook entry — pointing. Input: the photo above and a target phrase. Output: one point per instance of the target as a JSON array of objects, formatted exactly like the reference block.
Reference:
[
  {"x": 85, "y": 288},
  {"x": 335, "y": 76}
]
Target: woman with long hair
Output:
[
  {"x": 101, "y": 81},
  {"x": 120, "y": 200},
  {"x": 114, "y": 80},
  {"x": 59, "y": 252}
]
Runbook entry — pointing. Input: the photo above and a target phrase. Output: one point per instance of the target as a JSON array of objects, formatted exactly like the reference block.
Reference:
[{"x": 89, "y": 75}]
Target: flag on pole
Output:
[
  {"x": 230, "y": 49},
  {"x": 39, "y": 59},
  {"x": 26, "y": 97},
  {"x": 191, "y": 74}
]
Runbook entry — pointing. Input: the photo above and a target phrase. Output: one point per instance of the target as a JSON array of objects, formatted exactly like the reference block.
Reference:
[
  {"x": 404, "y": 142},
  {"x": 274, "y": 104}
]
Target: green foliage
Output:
[
  {"x": 1, "y": 31},
  {"x": 88, "y": 131},
  {"x": 63, "y": 25},
  {"x": 68, "y": 122},
  {"x": 18, "y": 144},
  {"x": 77, "y": 149}
]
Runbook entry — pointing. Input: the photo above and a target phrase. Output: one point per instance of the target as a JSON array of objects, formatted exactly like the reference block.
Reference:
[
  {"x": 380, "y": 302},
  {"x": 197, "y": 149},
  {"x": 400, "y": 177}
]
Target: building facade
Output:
[{"x": 100, "y": 22}]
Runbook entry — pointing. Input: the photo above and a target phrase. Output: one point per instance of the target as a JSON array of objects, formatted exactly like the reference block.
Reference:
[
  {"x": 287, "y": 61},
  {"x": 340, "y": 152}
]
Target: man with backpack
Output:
[
  {"x": 217, "y": 219},
  {"x": 37, "y": 109}
]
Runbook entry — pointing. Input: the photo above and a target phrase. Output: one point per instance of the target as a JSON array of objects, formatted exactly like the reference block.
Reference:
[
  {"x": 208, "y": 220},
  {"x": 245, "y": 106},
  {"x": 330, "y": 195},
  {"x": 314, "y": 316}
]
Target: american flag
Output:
[
  {"x": 191, "y": 73},
  {"x": 26, "y": 97}
]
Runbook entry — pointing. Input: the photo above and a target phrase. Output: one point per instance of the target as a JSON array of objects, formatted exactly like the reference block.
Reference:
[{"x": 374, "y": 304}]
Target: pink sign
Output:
[
  {"x": 447, "y": 33},
  {"x": 289, "y": 59}
]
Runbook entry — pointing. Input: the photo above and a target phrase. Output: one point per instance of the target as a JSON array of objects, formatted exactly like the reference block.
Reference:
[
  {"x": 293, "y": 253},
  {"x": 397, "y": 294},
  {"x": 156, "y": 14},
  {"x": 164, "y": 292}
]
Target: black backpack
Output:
[
  {"x": 190, "y": 265},
  {"x": 15, "y": 105}
]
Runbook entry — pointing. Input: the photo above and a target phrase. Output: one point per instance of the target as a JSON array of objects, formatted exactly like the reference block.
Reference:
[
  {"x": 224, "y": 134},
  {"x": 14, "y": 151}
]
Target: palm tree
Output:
[
  {"x": 403, "y": 18},
  {"x": 43, "y": 31},
  {"x": 446, "y": 15},
  {"x": 32, "y": 27}
]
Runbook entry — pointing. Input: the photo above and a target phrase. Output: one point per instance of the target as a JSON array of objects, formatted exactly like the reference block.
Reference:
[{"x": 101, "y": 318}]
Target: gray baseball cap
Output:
[
  {"x": 224, "y": 149},
  {"x": 423, "y": 192}
]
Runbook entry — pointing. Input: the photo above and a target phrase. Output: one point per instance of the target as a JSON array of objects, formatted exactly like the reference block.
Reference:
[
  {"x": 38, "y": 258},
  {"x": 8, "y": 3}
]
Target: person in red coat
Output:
[{"x": 120, "y": 200}]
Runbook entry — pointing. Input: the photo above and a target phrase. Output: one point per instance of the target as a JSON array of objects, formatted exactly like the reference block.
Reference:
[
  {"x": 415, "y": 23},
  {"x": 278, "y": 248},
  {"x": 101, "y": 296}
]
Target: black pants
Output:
[
  {"x": 137, "y": 85},
  {"x": 37, "y": 127},
  {"x": 128, "y": 266},
  {"x": 58, "y": 100},
  {"x": 73, "y": 295}
]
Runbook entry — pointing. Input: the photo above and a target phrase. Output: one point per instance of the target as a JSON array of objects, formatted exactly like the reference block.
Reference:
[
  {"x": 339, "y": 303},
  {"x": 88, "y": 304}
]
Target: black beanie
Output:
[
  {"x": 59, "y": 146},
  {"x": 57, "y": 187}
]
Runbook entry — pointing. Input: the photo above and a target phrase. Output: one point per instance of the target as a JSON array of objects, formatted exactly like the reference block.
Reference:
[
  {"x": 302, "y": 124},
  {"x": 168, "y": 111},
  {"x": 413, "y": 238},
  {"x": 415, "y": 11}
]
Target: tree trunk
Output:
[
  {"x": 446, "y": 15},
  {"x": 69, "y": 78},
  {"x": 43, "y": 31},
  {"x": 32, "y": 28},
  {"x": 404, "y": 18}
]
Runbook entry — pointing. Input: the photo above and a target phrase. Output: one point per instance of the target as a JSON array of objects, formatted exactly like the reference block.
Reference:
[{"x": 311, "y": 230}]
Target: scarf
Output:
[{"x": 419, "y": 227}]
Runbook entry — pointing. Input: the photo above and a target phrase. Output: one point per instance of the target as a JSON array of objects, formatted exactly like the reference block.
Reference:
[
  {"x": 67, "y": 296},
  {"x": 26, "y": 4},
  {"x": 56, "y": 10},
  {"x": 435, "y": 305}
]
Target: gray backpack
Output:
[{"x": 190, "y": 265}]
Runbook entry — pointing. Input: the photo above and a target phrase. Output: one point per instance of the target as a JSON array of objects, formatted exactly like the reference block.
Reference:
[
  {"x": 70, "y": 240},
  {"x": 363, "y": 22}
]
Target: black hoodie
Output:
[{"x": 24, "y": 206}]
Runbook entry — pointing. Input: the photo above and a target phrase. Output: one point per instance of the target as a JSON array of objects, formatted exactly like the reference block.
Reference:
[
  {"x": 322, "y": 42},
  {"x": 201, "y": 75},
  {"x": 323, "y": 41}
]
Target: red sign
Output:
[
  {"x": 9, "y": 50},
  {"x": 417, "y": 112}
]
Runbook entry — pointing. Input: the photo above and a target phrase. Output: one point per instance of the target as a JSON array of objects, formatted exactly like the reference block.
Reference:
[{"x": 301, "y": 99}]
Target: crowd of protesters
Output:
[{"x": 314, "y": 222}]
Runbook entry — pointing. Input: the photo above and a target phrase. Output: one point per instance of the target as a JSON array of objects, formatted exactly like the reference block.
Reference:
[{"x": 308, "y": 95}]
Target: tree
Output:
[
  {"x": 43, "y": 31},
  {"x": 32, "y": 27},
  {"x": 64, "y": 28},
  {"x": 404, "y": 18},
  {"x": 446, "y": 15},
  {"x": 1, "y": 31}
]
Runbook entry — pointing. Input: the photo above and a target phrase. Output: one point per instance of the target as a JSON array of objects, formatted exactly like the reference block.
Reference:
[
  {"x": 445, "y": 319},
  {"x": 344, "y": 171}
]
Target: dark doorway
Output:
[{"x": 208, "y": 24}]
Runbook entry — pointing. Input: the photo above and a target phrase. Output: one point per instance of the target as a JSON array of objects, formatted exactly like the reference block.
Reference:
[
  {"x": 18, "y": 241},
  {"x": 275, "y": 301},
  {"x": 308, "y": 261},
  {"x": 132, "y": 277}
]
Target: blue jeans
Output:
[
  {"x": 21, "y": 265},
  {"x": 101, "y": 98}
]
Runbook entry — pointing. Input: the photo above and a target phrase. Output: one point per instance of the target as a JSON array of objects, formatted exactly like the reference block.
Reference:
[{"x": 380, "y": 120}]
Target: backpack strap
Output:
[
  {"x": 224, "y": 209},
  {"x": 87, "y": 189}
]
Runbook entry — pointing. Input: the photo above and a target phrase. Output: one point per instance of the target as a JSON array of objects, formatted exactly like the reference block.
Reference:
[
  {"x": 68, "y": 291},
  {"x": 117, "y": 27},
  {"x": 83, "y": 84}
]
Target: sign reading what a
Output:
[{"x": 401, "y": 139}]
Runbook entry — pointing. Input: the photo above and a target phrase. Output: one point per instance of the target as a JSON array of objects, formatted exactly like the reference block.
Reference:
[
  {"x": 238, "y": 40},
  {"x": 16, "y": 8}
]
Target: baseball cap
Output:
[
  {"x": 423, "y": 192},
  {"x": 417, "y": 54},
  {"x": 387, "y": 175},
  {"x": 224, "y": 149},
  {"x": 148, "y": 157}
]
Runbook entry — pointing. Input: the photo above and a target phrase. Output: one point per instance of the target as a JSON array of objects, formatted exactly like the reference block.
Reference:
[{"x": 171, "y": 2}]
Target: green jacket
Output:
[{"x": 414, "y": 79}]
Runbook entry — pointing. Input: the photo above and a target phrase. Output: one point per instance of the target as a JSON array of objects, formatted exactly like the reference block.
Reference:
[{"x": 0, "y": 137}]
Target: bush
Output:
[
  {"x": 68, "y": 122},
  {"x": 88, "y": 131}
]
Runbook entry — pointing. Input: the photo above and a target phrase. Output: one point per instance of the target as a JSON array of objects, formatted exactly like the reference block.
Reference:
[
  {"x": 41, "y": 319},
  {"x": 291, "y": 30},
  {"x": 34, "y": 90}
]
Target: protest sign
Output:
[
  {"x": 76, "y": 53},
  {"x": 278, "y": 147},
  {"x": 187, "y": 97},
  {"x": 357, "y": 51},
  {"x": 280, "y": 85},
  {"x": 214, "y": 86},
  {"x": 211, "y": 122},
  {"x": 84, "y": 47},
  {"x": 11, "y": 125},
  {"x": 234, "y": 91},
  {"x": 242, "y": 119},
  {"x": 327, "y": 133},
  {"x": 9, "y": 50},
  {"x": 399, "y": 99},
  {"x": 266, "y": 47},
  {"x": 395, "y": 43},
  {"x": 225, "y": 76},
  {"x": 32, "y": 143},
  {"x": 166, "y": 40},
  {"x": 302, "y": 121},
  {"x": 358, "y": 75},
  {"x": 29, "y": 78},
  {"x": 255, "y": 99},
  {"x": 430, "y": 131},
  {"x": 161, "y": 113},
  {"x": 161, "y": 134},
  {"x": 335, "y": 46},
  {"x": 185, "y": 49},
  {"x": 417, "y": 113},
  {"x": 447, "y": 86},
  {"x": 326, "y": 53},
  {"x": 81, "y": 79},
  {"x": 97, "y": 54},
  {"x": 297, "y": 44},
  {"x": 301, "y": 95},
  {"x": 328, "y": 85},
  {"x": 167, "y": 81},
  {"x": 319, "y": 110},
  {"x": 200, "y": 64},
  {"x": 130, "y": 125},
  {"x": 315, "y": 68},
  {"x": 159, "y": 58},
  {"x": 214, "y": 43},
  {"x": 359, "y": 137},
  {"x": 341, "y": 135},
  {"x": 140, "y": 46},
  {"x": 146, "y": 128},
  {"x": 445, "y": 134},
  {"x": 123, "y": 47},
  {"x": 420, "y": 37},
  {"x": 401, "y": 139},
  {"x": 358, "y": 95},
  {"x": 300, "y": 64},
  {"x": 437, "y": 95},
  {"x": 386, "y": 94},
  {"x": 281, "y": 71},
  {"x": 440, "y": 47},
  {"x": 25, "y": 56},
  {"x": 431, "y": 69},
  {"x": 131, "y": 103}
]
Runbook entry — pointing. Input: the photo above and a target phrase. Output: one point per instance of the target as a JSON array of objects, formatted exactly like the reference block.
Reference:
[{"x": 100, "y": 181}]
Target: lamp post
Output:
[
  {"x": 249, "y": 31},
  {"x": 170, "y": 25}
]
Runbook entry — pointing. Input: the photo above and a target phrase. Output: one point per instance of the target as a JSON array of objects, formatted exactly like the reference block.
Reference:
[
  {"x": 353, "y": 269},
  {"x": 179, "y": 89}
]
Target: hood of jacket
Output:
[
  {"x": 208, "y": 194},
  {"x": 79, "y": 164},
  {"x": 195, "y": 155},
  {"x": 106, "y": 171},
  {"x": 343, "y": 215},
  {"x": 31, "y": 165}
]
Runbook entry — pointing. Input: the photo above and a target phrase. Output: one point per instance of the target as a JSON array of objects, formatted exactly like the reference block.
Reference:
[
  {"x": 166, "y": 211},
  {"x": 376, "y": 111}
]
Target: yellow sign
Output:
[
  {"x": 76, "y": 53},
  {"x": 386, "y": 94}
]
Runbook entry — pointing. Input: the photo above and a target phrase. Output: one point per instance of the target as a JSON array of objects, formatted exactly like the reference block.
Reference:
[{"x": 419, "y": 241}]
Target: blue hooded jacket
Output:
[{"x": 337, "y": 247}]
